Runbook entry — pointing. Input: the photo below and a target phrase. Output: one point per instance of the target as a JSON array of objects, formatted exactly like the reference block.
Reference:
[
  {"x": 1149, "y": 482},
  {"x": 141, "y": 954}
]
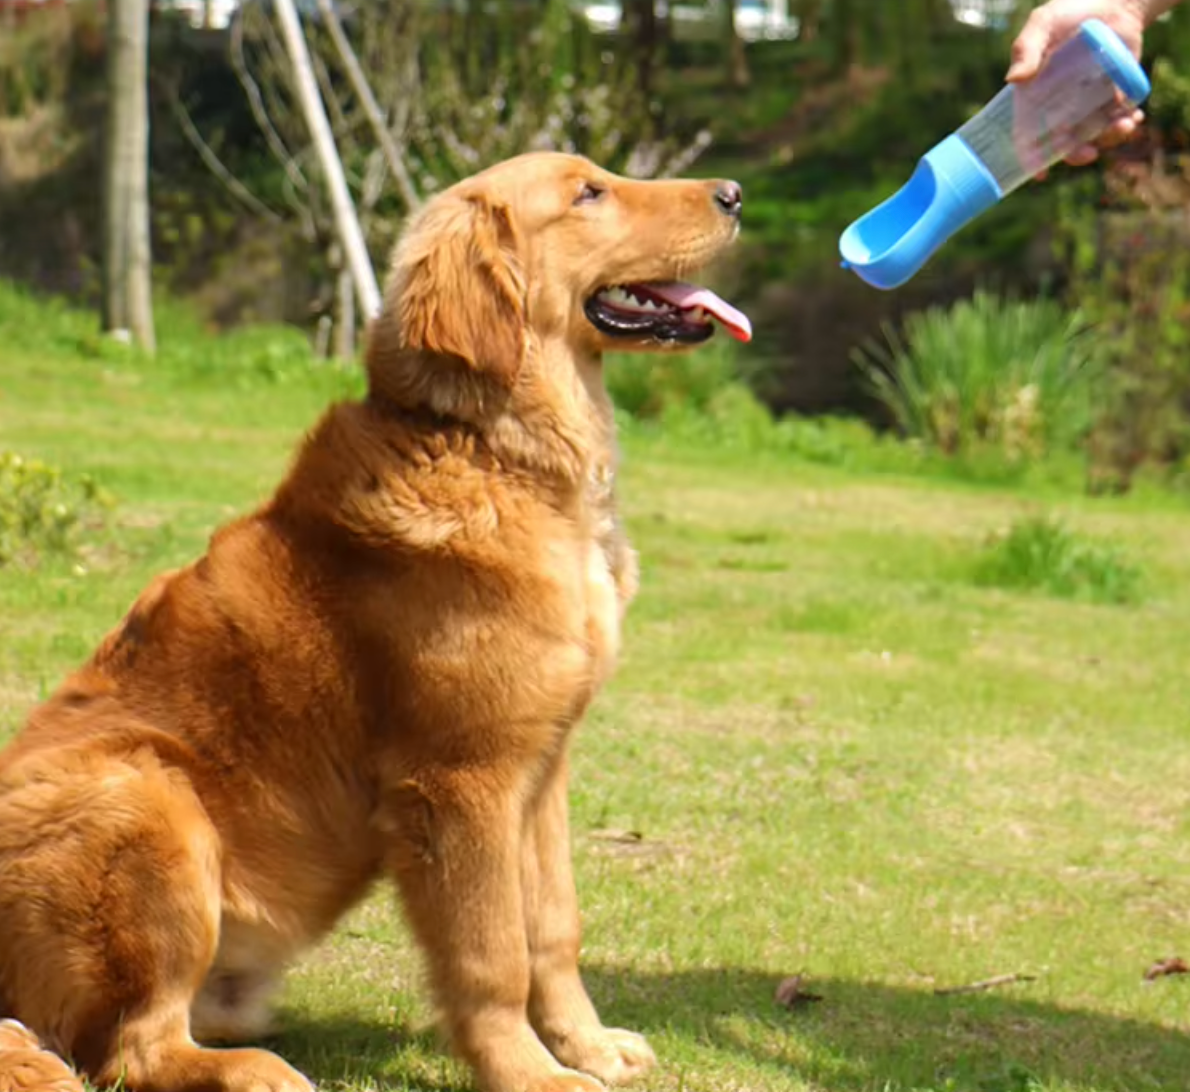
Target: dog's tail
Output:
[{"x": 26, "y": 1066}]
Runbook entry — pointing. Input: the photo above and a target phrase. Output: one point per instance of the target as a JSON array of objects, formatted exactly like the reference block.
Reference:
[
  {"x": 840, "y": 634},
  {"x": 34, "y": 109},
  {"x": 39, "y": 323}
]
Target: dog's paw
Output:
[
  {"x": 25, "y": 1066},
  {"x": 244, "y": 1070},
  {"x": 613, "y": 1055}
]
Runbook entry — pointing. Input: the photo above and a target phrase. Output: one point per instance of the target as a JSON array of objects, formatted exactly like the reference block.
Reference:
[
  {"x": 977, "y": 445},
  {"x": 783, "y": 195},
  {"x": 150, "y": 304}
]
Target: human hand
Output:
[{"x": 1051, "y": 24}]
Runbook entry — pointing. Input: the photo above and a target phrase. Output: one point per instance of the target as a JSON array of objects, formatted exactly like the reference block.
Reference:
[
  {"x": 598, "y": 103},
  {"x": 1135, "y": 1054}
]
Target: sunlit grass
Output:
[{"x": 843, "y": 756}]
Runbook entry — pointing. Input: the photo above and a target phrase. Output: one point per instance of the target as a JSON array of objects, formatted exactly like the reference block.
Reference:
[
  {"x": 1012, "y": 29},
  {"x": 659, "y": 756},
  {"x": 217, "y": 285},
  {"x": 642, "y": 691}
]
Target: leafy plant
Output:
[
  {"x": 1016, "y": 376},
  {"x": 35, "y": 61},
  {"x": 548, "y": 86},
  {"x": 42, "y": 512},
  {"x": 646, "y": 385},
  {"x": 1130, "y": 273},
  {"x": 1041, "y": 553}
]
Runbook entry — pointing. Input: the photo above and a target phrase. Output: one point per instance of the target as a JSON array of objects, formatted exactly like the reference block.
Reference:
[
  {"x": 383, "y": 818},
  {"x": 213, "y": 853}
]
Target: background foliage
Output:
[{"x": 1074, "y": 344}]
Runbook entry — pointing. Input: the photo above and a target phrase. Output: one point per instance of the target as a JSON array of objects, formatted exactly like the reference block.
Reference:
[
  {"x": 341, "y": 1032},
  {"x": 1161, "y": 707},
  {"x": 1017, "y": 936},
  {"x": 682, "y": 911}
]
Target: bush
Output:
[
  {"x": 695, "y": 399},
  {"x": 40, "y": 324},
  {"x": 246, "y": 357},
  {"x": 1041, "y": 553},
  {"x": 1129, "y": 271},
  {"x": 42, "y": 512},
  {"x": 39, "y": 58},
  {"x": 989, "y": 373},
  {"x": 647, "y": 385}
]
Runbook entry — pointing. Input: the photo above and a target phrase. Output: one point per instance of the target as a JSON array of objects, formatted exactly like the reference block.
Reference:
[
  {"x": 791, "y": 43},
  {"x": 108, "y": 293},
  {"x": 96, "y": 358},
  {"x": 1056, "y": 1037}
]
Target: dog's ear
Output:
[{"x": 457, "y": 287}]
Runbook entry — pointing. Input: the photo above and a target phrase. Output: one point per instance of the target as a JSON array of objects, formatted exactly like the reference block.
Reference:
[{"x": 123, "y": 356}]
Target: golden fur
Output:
[{"x": 375, "y": 675}]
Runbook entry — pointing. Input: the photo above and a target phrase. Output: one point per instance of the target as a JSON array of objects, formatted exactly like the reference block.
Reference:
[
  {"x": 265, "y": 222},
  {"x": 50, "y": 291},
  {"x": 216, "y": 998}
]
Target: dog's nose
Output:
[{"x": 730, "y": 198}]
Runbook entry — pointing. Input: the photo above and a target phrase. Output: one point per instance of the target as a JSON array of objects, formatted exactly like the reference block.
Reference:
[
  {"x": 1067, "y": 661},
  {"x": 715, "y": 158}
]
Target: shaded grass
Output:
[{"x": 844, "y": 758}]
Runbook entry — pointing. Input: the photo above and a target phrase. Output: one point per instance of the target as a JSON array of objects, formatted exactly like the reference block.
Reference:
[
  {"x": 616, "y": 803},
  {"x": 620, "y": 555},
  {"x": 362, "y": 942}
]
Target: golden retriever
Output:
[{"x": 374, "y": 675}]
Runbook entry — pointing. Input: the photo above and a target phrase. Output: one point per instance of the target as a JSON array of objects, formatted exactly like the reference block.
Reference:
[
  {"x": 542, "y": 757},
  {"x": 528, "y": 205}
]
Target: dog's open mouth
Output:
[{"x": 664, "y": 311}]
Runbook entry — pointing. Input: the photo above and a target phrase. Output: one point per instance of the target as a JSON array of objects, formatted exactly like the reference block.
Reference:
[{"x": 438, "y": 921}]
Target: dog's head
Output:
[{"x": 542, "y": 254}]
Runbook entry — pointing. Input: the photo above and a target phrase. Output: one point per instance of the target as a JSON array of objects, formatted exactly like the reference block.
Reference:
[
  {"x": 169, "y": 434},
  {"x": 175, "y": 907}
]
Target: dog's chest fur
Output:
[{"x": 612, "y": 573}]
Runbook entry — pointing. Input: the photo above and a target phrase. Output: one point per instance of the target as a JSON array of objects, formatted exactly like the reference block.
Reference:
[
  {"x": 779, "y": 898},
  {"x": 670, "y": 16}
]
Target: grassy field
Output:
[{"x": 829, "y": 750}]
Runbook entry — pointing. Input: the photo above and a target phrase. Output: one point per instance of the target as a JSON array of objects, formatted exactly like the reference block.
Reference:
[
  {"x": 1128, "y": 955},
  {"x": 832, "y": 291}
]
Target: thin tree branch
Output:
[
  {"x": 363, "y": 91},
  {"x": 260, "y": 111},
  {"x": 215, "y": 165}
]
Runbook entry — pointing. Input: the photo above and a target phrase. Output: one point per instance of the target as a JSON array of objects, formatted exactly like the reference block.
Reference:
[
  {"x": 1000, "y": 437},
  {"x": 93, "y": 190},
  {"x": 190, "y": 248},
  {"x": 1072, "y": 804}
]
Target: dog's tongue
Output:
[{"x": 687, "y": 296}]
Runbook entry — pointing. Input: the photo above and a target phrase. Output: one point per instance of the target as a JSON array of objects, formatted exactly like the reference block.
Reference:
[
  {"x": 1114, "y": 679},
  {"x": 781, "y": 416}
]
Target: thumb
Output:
[{"x": 1030, "y": 47}]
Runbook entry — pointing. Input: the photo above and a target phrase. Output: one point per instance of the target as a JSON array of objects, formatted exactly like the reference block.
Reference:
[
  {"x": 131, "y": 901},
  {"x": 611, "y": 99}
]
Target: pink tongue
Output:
[{"x": 687, "y": 296}]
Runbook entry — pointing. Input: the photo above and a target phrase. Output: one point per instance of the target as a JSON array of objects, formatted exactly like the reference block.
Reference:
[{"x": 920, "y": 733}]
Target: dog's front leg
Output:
[
  {"x": 559, "y": 1007},
  {"x": 456, "y": 854}
]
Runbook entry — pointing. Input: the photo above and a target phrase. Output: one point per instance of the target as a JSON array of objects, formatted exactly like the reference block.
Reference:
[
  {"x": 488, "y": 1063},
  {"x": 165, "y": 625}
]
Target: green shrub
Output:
[
  {"x": 40, "y": 58},
  {"x": 42, "y": 324},
  {"x": 989, "y": 373},
  {"x": 43, "y": 512},
  {"x": 1041, "y": 553},
  {"x": 647, "y": 385},
  {"x": 694, "y": 400},
  {"x": 245, "y": 357},
  {"x": 1129, "y": 272}
]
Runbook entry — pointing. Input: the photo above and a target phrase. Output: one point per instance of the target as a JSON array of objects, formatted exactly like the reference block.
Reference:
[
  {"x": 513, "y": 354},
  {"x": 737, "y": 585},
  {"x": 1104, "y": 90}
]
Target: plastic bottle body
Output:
[
  {"x": 1082, "y": 88},
  {"x": 1029, "y": 127}
]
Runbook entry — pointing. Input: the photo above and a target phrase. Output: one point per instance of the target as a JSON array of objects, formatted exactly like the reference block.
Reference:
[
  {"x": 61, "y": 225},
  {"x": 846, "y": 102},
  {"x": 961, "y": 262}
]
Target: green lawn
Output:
[{"x": 844, "y": 758}]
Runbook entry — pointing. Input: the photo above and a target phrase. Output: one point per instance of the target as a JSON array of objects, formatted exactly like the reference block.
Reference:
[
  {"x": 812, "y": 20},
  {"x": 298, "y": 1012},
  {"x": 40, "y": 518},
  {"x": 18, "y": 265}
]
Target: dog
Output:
[{"x": 374, "y": 676}]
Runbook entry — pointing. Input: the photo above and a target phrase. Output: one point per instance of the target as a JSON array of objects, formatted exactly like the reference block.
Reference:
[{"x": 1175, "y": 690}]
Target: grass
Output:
[
  {"x": 1041, "y": 552},
  {"x": 1018, "y": 375},
  {"x": 43, "y": 513},
  {"x": 845, "y": 758}
]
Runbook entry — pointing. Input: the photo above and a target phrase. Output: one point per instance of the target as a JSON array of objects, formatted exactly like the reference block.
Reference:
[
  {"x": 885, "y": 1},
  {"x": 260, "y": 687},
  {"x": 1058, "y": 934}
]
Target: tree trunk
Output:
[
  {"x": 127, "y": 257},
  {"x": 809, "y": 16},
  {"x": 847, "y": 29},
  {"x": 642, "y": 28},
  {"x": 939, "y": 14},
  {"x": 738, "y": 73},
  {"x": 346, "y": 221}
]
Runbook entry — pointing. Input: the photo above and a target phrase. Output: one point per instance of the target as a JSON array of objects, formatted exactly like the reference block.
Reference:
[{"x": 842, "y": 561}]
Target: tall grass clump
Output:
[
  {"x": 697, "y": 400},
  {"x": 1040, "y": 553},
  {"x": 1012, "y": 376},
  {"x": 43, "y": 512}
]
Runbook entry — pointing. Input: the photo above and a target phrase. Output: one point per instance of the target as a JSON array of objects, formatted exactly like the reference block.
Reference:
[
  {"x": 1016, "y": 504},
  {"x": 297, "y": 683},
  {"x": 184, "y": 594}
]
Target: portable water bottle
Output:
[{"x": 1084, "y": 86}]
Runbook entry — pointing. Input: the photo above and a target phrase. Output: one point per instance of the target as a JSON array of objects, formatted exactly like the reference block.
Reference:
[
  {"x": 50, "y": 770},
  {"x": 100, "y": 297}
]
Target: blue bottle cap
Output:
[
  {"x": 1111, "y": 52},
  {"x": 949, "y": 188}
]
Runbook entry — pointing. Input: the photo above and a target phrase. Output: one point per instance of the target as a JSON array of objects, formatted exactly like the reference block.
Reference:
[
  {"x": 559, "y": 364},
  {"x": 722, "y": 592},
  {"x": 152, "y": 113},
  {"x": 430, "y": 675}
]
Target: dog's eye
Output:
[{"x": 589, "y": 193}]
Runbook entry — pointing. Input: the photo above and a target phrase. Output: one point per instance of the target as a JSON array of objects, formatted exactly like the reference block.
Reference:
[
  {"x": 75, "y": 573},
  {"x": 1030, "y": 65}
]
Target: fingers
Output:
[
  {"x": 1080, "y": 157},
  {"x": 1120, "y": 132},
  {"x": 1030, "y": 46},
  {"x": 1122, "y": 129}
]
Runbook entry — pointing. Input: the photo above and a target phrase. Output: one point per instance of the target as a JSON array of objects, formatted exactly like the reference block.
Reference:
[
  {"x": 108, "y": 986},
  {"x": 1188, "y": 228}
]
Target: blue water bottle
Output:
[{"x": 1084, "y": 86}]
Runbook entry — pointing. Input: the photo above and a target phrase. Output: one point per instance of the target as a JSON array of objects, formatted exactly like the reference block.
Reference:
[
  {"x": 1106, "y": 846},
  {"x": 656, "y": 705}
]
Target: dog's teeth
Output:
[{"x": 627, "y": 300}]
